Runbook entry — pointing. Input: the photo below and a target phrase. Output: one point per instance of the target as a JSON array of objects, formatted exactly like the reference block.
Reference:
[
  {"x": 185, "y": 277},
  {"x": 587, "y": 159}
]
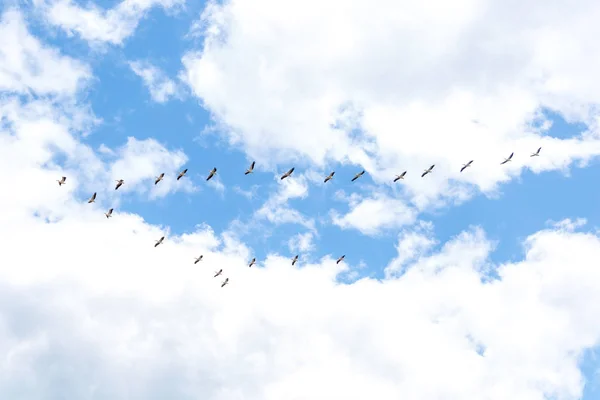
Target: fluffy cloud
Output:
[
  {"x": 28, "y": 67},
  {"x": 160, "y": 86},
  {"x": 371, "y": 215},
  {"x": 130, "y": 307},
  {"x": 96, "y": 25},
  {"x": 432, "y": 84},
  {"x": 302, "y": 242},
  {"x": 276, "y": 209},
  {"x": 90, "y": 308}
]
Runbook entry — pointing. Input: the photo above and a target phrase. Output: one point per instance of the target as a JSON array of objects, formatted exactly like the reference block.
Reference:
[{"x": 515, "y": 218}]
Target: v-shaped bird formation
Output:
[{"x": 250, "y": 170}]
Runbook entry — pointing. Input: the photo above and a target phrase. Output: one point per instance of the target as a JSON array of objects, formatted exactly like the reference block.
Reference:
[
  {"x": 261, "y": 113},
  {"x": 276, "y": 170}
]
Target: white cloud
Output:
[
  {"x": 139, "y": 162},
  {"x": 371, "y": 215},
  {"x": 276, "y": 209},
  {"x": 413, "y": 243},
  {"x": 216, "y": 184},
  {"x": 433, "y": 84},
  {"x": 160, "y": 86},
  {"x": 96, "y": 25},
  {"x": 568, "y": 224},
  {"x": 426, "y": 346},
  {"x": 90, "y": 308},
  {"x": 29, "y": 67},
  {"x": 302, "y": 242}
]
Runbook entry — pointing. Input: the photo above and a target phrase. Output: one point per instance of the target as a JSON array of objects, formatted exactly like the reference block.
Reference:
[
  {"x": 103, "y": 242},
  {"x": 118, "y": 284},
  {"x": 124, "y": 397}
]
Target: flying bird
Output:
[
  {"x": 219, "y": 272},
  {"x": 287, "y": 174},
  {"x": 339, "y": 260},
  {"x": 225, "y": 282},
  {"x": 182, "y": 174},
  {"x": 159, "y": 241},
  {"x": 198, "y": 259},
  {"x": 120, "y": 183},
  {"x": 61, "y": 181},
  {"x": 508, "y": 159},
  {"x": 159, "y": 178},
  {"x": 252, "y": 262},
  {"x": 361, "y": 173},
  {"x": 295, "y": 259},
  {"x": 401, "y": 176},
  {"x": 465, "y": 166},
  {"x": 251, "y": 169},
  {"x": 329, "y": 177},
  {"x": 537, "y": 153},
  {"x": 109, "y": 213},
  {"x": 92, "y": 199},
  {"x": 427, "y": 171},
  {"x": 212, "y": 173}
]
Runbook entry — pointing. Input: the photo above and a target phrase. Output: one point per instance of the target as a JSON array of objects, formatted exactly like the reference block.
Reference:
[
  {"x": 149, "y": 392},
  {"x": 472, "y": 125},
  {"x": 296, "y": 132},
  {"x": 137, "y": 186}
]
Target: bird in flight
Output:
[
  {"x": 252, "y": 262},
  {"x": 92, "y": 199},
  {"x": 219, "y": 272},
  {"x": 159, "y": 178},
  {"x": 225, "y": 282},
  {"x": 465, "y": 166},
  {"x": 198, "y": 259},
  {"x": 508, "y": 159},
  {"x": 109, "y": 213},
  {"x": 287, "y": 174},
  {"x": 212, "y": 173},
  {"x": 294, "y": 260},
  {"x": 182, "y": 174},
  {"x": 251, "y": 169},
  {"x": 61, "y": 181},
  {"x": 401, "y": 176},
  {"x": 339, "y": 260},
  {"x": 329, "y": 177},
  {"x": 361, "y": 173},
  {"x": 427, "y": 171},
  {"x": 537, "y": 153},
  {"x": 159, "y": 241},
  {"x": 120, "y": 183}
]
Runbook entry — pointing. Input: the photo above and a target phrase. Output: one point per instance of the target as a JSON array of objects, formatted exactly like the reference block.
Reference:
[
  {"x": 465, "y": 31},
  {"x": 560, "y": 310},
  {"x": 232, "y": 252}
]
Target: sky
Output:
[{"x": 456, "y": 285}]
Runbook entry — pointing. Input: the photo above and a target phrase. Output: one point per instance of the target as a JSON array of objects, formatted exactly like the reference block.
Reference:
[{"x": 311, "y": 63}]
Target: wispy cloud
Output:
[{"x": 161, "y": 87}]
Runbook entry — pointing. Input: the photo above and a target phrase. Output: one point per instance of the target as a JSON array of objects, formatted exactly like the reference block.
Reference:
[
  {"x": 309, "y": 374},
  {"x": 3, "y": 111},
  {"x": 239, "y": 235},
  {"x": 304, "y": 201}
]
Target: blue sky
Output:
[{"x": 278, "y": 104}]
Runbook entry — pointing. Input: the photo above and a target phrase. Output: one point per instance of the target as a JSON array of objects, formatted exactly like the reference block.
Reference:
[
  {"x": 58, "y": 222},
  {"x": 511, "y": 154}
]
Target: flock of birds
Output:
[{"x": 250, "y": 170}]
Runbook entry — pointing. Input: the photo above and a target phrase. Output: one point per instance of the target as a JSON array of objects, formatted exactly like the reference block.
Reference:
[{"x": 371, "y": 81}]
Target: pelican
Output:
[
  {"x": 287, "y": 174},
  {"x": 401, "y": 176},
  {"x": 427, "y": 171},
  {"x": 251, "y": 169},
  {"x": 198, "y": 259},
  {"x": 252, "y": 262},
  {"x": 93, "y": 198},
  {"x": 159, "y": 178},
  {"x": 225, "y": 282},
  {"x": 212, "y": 173},
  {"x": 294, "y": 260},
  {"x": 465, "y": 166},
  {"x": 361, "y": 173},
  {"x": 120, "y": 183},
  {"x": 339, "y": 260},
  {"x": 159, "y": 241},
  {"x": 219, "y": 272},
  {"x": 329, "y": 177},
  {"x": 181, "y": 174},
  {"x": 508, "y": 159},
  {"x": 61, "y": 181},
  {"x": 109, "y": 213},
  {"x": 536, "y": 154}
]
